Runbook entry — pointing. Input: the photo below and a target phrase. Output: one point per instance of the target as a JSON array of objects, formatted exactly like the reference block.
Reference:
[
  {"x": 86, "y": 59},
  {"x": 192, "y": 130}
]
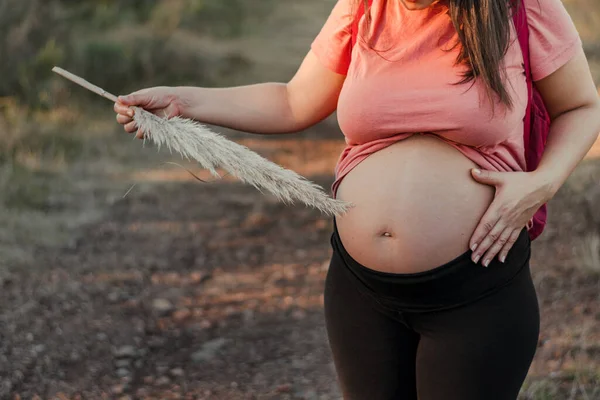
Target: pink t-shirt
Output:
[{"x": 405, "y": 83}]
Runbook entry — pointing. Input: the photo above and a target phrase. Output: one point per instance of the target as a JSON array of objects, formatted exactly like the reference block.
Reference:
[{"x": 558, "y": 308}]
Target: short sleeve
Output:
[
  {"x": 553, "y": 38},
  {"x": 332, "y": 44}
]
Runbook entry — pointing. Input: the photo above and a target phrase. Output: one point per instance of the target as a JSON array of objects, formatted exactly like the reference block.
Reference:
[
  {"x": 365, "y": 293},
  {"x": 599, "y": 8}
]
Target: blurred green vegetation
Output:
[
  {"x": 118, "y": 44},
  {"x": 124, "y": 45}
]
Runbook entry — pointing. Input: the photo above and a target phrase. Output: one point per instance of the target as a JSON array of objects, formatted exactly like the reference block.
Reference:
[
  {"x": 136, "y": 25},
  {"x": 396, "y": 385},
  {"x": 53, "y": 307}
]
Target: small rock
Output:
[
  {"x": 7, "y": 385},
  {"x": 299, "y": 314},
  {"x": 162, "y": 306},
  {"x": 148, "y": 380},
  {"x": 122, "y": 372},
  {"x": 18, "y": 376},
  {"x": 156, "y": 342},
  {"x": 75, "y": 356},
  {"x": 113, "y": 297},
  {"x": 39, "y": 348},
  {"x": 163, "y": 381},
  {"x": 176, "y": 372},
  {"x": 123, "y": 363},
  {"x": 197, "y": 277},
  {"x": 248, "y": 315},
  {"x": 138, "y": 364},
  {"x": 125, "y": 352},
  {"x": 101, "y": 336},
  {"x": 208, "y": 350},
  {"x": 204, "y": 324}
]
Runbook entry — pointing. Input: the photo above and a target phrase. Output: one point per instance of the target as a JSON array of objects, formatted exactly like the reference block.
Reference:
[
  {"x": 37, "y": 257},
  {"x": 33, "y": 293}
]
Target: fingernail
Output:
[
  {"x": 130, "y": 113},
  {"x": 502, "y": 258},
  {"x": 477, "y": 171},
  {"x": 486, "y": 263},
  {"x": 474, "y": 247},
  {"x": 476, "y": 259}
]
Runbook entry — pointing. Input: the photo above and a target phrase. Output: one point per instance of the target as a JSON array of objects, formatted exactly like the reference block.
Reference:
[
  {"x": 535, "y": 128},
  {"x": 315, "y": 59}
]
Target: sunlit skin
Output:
[{"x": 419, "y": 202}]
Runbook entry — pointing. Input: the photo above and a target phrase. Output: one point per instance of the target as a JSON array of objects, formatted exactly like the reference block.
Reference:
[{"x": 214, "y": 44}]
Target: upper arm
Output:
[
  {"x": 558, "y": 63},
  {"x": 568, "y": 88},
  {"x": 314, "y": 90}
]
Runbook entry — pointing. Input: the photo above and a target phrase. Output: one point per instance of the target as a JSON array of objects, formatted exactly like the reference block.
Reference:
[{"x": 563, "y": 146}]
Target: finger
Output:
[
  {"x": 509, "y": 244},
  {"x": 492, "y": 178},
  {"x": 486, "y": 224},
  {"x": 139, "y": 98},
  {"x": 171, "y": 112},
  {"x": 131, "y": 127},
  {"x": 123, "y": 119},
  {"x": 497, "y": 246},
  {"x": 489, "y": 239},
  {"x": 139, "y": 134},
  {"x": 122, "y": 109}
]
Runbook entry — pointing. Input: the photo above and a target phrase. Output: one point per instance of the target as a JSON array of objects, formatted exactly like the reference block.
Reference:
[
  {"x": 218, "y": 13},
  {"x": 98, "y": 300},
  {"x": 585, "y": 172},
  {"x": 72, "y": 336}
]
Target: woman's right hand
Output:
[{"x": 162, "y": 101}]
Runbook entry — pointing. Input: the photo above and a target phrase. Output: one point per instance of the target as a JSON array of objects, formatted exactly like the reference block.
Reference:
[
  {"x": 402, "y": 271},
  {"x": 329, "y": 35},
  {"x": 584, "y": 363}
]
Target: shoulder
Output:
[
  {"x": 553, "y": 37},
  {"x": 333, "y": 43},
  {"x": 549, "y": 12}
]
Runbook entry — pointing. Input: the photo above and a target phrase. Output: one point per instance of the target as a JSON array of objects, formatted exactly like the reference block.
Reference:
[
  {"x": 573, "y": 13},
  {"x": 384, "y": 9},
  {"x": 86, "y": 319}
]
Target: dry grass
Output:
[
  {"x": 211, "y": 150},
  {"x": 588, "y": 252}
]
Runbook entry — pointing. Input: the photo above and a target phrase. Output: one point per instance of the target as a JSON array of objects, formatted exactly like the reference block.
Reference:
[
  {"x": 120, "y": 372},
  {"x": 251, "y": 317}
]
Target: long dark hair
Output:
[{"x": 483, "y": 28}]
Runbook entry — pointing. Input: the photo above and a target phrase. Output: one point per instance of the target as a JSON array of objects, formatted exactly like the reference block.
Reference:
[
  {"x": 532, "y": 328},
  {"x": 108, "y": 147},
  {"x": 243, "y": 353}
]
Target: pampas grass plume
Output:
[{"x": 211, "y": 150}]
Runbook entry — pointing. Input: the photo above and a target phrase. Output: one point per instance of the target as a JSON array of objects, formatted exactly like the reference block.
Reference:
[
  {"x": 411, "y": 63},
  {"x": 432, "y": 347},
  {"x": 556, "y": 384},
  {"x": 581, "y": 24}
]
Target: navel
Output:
[{"x": 386, "y": 234}]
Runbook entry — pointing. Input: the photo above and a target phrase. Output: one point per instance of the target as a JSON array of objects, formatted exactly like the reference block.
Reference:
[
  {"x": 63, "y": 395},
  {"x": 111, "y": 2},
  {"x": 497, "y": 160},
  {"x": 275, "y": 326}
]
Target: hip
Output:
[{"x": 454, "y": 283}]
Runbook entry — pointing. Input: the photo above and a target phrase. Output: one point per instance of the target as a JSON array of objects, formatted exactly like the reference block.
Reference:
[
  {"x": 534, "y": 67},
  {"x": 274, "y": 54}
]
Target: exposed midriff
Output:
[{"x": 416, "y": 206}]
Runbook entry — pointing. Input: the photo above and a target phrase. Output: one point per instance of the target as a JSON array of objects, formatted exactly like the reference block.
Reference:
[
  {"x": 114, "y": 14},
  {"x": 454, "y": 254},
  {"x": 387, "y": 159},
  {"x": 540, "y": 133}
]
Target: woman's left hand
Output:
[{"x": 518, "y": 196}]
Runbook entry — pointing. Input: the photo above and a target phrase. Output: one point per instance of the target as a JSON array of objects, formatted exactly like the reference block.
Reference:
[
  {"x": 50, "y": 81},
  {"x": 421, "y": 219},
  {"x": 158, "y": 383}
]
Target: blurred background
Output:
[{"x": 180, "y": 289}]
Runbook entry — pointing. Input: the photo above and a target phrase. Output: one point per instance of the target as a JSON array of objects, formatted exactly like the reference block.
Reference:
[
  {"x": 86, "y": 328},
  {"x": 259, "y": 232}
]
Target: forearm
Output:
[
  {"x": 260, "y": 108},
  {"x": 571, "y": 136}
]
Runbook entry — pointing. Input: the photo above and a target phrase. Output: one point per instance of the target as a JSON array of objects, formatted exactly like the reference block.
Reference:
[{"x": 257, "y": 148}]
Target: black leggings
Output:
[{"x": 457, "y": 332}]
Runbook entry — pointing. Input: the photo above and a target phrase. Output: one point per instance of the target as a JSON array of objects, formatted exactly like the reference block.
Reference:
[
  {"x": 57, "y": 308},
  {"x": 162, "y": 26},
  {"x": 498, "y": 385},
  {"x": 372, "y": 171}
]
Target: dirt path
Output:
[
  {"x": 212, "y": 291},
  {"x": 184, "y": 290}
]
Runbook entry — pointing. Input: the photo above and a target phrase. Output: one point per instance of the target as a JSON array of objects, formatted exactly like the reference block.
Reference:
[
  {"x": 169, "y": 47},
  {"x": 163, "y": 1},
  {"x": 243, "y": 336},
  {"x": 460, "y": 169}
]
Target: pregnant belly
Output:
[{"x": 416, "y": 206}]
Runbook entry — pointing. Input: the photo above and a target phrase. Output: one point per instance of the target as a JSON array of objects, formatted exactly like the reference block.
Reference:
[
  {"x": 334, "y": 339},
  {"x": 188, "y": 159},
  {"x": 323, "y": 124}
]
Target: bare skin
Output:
[
  {"x": 417, "y": 204},
  {"x": 411, "y": 215}
]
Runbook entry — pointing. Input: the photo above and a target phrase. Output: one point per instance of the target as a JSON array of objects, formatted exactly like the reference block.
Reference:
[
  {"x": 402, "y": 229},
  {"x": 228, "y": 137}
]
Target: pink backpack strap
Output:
[
  {"x": 522, "y": 28},
  {"x": 536, "y": 123}
]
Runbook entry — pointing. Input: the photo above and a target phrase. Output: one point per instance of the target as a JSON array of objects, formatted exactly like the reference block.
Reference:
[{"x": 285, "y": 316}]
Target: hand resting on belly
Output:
[{"x": 416, "y": 206}]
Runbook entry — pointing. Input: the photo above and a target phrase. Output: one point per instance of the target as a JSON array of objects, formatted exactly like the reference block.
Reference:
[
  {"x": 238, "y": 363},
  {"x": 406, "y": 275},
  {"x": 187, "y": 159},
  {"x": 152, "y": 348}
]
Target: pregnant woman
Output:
[{"x": 429, "y": 293}]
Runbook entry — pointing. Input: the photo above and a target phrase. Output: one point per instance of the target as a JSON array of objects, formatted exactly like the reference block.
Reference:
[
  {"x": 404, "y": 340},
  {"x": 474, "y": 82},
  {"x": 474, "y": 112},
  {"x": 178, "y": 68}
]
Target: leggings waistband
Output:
[{"x": 457, "y": 282}]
